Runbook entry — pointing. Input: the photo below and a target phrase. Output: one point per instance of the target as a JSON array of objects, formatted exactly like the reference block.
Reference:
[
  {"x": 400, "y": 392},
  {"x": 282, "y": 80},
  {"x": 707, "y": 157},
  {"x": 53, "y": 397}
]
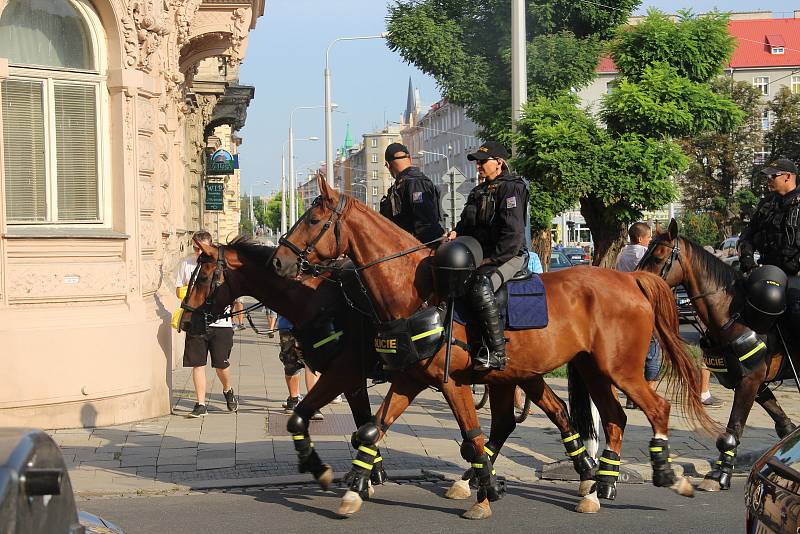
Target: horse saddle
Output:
[{"x": 522, "y": 302}]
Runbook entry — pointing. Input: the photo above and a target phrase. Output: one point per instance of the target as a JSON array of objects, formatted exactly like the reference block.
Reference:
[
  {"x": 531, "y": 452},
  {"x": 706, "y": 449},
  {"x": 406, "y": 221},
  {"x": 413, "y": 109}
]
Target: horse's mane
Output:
[
  {"x": 252, "y": 249},
  {"x": 720, "y": 272}
]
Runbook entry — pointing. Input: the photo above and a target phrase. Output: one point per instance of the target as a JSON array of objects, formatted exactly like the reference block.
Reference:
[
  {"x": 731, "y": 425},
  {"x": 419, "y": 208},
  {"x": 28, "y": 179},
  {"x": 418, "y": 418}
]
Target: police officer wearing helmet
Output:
[
  {"x": 412, "y": 202},
  {"x": 774, "y": 229},
  {"x": 495, "y": 214}
]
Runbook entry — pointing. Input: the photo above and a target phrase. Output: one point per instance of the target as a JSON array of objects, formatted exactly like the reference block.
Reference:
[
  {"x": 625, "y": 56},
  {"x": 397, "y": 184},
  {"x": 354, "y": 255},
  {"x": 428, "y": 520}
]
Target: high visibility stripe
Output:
[
  {"x": 656, "y": 449},
  {"x": 610, "y": 462},
  {"x": 371, "y": 452},
  {"x": 717, "y": 370},
  {"x": 494, "y": 472},
  {"x": 377, "y": 459},
  {"x": 298, "y": 437},
  {"x": 760, "y": 346},
  {"x": 334, "y": 336},
  {"x": 718, "y": 462},
  {"x": 428, "y": 333},
  {"x": 477, "y": 466},
  {"x": 732, "y": 454},
  {"x": 609, "y": 473},
  {"x": 573, "y": 437},
  {"x": 488, "y": 451},
  {"x": 576, "y": 453},
  {"x": 365, "y": 465},
  {"x": 386, "y": 351}
]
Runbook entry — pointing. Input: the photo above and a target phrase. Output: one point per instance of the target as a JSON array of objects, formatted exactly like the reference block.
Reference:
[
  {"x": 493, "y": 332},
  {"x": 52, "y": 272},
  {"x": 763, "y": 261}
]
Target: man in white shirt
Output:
[{"x": 218, "y": 342}]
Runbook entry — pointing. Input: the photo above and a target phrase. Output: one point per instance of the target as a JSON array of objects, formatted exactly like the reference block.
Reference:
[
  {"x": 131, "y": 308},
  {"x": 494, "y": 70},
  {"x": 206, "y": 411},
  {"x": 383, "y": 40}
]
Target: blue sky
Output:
[{"x": 285, "y": 62}]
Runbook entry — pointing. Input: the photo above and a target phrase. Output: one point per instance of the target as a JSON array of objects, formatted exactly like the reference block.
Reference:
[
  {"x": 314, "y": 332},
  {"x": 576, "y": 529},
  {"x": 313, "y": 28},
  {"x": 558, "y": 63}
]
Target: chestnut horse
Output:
[
  {"x": 601, "y": 320},
  {"x": 245, "y": 270},
  {"x": 712, "y": 286}
]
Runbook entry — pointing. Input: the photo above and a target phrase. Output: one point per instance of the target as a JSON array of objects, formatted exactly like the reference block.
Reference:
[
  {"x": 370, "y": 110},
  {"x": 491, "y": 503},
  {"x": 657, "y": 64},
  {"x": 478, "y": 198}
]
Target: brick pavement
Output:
[{"x": 251, "y": 447}]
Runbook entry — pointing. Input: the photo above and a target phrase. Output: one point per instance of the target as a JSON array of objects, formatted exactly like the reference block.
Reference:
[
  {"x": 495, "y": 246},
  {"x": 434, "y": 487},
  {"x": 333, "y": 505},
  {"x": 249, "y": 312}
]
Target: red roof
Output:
[{"x": 754, "y": 42}]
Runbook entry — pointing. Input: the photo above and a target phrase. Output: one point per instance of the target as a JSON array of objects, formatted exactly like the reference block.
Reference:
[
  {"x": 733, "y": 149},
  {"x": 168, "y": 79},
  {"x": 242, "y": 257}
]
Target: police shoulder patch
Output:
[
  {"x": 416, "y": 197},
  {"x": 511, "y": 202}
]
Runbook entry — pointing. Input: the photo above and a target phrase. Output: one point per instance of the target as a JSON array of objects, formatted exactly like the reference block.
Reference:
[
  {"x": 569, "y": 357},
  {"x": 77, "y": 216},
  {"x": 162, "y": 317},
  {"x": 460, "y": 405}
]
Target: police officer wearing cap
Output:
[
  {"x": 774, "y": 229},
  {"x": 412, "y": 202},
  {"x": 495, "y": 214}
]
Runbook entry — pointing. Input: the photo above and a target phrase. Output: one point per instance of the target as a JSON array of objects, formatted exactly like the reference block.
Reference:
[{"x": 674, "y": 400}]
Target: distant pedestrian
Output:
[
  {"x": 640, "y": 234},
  {"x": 218, "y": 341},
  {"x": 534, "y": 263}
]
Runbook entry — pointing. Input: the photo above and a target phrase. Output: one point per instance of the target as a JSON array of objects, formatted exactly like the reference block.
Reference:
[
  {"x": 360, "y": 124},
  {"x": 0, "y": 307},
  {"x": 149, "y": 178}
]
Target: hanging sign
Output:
[
  {"x": 220, "y": 163},
  {"x": 214, "y": 196}
]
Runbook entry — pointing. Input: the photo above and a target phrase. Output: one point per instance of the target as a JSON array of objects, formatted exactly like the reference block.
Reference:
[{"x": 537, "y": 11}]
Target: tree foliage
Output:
[
  {"x": 700, "y": 228},
  {"x": 783, "y": 139}
]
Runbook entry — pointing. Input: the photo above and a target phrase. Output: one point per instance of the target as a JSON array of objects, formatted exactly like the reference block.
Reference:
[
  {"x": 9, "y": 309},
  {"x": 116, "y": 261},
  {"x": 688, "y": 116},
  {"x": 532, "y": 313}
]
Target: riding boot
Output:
[{"x": 484, "y": 304}]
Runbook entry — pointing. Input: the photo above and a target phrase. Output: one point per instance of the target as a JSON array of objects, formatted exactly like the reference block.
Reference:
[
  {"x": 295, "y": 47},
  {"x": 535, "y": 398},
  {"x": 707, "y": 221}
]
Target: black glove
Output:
[{"x": 746, "y": 263}]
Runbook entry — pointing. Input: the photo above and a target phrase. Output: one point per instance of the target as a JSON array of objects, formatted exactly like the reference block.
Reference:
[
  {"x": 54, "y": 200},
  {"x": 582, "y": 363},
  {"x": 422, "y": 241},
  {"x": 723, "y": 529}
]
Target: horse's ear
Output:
[
  {"x": 659, "y": 229},
  {"x": 207, "y": 248},
  {"x": 673, "y": 229},
  {"x": 232, "y": 259},
  {"x": 322, "y": 184}
]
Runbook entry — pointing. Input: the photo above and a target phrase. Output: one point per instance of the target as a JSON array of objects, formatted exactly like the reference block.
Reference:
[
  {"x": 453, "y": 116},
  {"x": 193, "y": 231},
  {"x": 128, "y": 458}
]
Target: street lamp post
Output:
[
  {"x": 329, "y": 106},
  {"x": 452, "y": 184},
  {"x": 293, "y": 184}
]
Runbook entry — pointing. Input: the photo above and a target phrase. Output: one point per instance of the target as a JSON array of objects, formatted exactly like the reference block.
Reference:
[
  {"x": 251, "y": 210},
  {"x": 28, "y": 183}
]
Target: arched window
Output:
[{"x": 51, "y": 105}]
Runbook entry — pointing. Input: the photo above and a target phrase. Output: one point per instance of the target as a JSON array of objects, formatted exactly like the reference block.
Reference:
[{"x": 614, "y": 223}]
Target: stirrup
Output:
[{"x": 485, "y": 360}]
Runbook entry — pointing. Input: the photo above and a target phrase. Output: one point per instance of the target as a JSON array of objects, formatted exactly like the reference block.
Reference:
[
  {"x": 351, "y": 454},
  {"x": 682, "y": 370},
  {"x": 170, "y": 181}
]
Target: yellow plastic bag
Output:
[{"x": 178, "y": 314}]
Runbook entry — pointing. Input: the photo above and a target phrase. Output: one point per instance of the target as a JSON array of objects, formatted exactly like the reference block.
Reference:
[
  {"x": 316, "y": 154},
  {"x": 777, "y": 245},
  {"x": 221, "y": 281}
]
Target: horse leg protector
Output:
[
  {"x": 490, "y": 449},
  {"x": 308, "y": 459},
  {"x": 367, "y": 454},
  {"x": 378, "y": 475},
  {"x": 723, "y": 468},
  {"x": 663, "y": 475},
  {"x": 576, "y": 451},
  {"x": 607, "y": 475}
]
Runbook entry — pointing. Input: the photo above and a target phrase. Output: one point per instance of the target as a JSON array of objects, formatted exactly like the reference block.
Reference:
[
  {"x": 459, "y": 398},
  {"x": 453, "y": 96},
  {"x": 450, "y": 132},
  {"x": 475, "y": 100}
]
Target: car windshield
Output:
[
  {"x": 558, "y": 259},
  {"x": 573, "y": 250}
]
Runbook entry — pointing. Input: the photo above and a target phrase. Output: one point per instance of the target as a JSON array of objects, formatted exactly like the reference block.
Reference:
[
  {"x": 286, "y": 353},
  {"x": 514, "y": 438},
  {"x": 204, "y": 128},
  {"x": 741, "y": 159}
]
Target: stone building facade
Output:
[{"x": 107, "y": 109}]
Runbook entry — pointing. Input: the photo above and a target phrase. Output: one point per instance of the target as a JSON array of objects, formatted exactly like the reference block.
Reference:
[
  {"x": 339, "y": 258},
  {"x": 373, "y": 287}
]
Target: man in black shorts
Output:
[{"x": 218, "y": 342}]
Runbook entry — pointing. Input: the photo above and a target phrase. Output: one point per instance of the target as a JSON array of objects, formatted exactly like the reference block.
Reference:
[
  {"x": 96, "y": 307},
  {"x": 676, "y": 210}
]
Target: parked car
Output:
[
  {"x": 35, "y": 490},
  {"x": 728, "y": 247},
  {"x": 558, "y": 261},
  {"x": 577, "y": 255},
  {"x": 772, "y": 494},
  {"x": 686, "y": 312}
]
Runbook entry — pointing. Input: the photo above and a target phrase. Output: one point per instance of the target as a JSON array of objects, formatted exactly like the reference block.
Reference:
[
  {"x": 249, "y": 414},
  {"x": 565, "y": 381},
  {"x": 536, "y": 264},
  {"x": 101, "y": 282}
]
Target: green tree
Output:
[
  {"x": 700, "y": 228},
  {"x": 718, "y": 181},
  {"x": 783, "y": 139}
]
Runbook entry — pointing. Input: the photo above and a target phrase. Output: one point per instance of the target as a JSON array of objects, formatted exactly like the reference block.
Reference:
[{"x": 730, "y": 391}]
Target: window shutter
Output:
[
  {"x": 24, "y": 151},
  {"x": 76, "y": 152}
]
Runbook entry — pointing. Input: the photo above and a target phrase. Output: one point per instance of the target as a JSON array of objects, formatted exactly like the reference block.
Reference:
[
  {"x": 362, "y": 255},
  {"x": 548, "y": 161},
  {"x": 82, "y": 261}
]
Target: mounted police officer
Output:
[
  {"x": 412, "y": 202},
  {"x": 494, "y": 214},
  {"x": 774, "y": 229}
]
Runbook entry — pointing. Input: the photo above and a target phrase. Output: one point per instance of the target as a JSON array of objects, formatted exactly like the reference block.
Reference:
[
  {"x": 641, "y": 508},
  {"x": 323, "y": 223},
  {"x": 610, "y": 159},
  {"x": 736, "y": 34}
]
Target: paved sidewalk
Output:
[{"x": 252, "y": 447}]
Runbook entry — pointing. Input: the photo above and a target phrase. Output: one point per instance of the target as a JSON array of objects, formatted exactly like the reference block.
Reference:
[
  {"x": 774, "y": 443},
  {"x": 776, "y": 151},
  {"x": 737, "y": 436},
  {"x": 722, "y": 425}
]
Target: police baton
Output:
[{"x": 451, "y": 304}]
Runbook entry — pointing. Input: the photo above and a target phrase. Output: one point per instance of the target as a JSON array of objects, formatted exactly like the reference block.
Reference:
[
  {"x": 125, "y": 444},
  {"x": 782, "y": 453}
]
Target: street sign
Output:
[
  {"x": 220, "y": 163},
  {"x": 215, "y": 196}
]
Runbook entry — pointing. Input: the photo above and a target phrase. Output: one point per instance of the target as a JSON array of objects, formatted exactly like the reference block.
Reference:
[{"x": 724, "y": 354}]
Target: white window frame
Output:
[
  {"x": 49, "y": 77},
  {"x": 374, "y": 175},
  {"x": 374, "y": 158},
  {"x": 374, "y": 190},
  {"x": 765, "y": 119},
  {"x": 762, "y": 83},
  {"x": 776, "y": 50},
  {"x": 373, "y": 142},
  {"x": 795, "y": 84}
]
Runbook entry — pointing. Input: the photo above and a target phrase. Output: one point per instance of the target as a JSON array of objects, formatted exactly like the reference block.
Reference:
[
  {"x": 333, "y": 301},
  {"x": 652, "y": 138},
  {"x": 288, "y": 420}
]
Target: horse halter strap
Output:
[
  {"x": 302, "y": 254},
  {"x": 219, "y": 270}
]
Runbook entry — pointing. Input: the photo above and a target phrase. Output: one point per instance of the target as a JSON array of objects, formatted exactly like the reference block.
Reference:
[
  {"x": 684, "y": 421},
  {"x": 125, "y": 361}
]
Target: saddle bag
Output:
[
  {"x": 404, "y": 342},
  {"x": 736, "y": 359},
  {"x": 321, "y": 340}
]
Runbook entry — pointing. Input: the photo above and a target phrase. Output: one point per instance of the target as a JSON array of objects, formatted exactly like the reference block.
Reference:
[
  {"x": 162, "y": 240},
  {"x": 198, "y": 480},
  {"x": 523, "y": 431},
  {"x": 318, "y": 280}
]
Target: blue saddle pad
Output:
[{"x": 526, "y": 308}]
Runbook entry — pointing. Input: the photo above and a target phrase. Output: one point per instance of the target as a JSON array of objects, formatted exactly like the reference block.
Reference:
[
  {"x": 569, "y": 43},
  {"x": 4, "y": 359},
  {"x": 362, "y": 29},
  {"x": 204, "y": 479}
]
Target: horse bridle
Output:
[
  {"x": 216, "y": 280},
  {"x": 334, "y": 219},
  {"x": 674, "y": 255}
]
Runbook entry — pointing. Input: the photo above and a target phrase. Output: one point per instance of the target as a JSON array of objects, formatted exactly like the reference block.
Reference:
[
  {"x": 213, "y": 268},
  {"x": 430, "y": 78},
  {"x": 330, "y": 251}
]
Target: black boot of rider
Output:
[{"x": 484, "y": 304}]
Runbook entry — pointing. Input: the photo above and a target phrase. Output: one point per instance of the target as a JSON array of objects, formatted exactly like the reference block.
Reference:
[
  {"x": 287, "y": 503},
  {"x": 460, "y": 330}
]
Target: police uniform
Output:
[
  {"x": 494, "y": 214},
  {"x": 413, "y": 204},
  {"x": 774, "y": 231}
]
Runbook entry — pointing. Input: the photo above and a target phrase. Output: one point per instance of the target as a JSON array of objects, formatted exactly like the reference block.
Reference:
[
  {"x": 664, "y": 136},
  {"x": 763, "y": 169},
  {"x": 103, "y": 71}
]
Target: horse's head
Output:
[
  {"x": 316, "y": 237},
  {"x": 663, "y": 257},
  {"x": 208, "y": 294}
]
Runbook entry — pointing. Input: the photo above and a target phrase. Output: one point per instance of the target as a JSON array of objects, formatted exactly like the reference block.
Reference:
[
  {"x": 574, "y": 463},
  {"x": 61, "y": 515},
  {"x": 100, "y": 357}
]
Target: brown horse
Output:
[
  {"x": 242, "y": 268},
  {"x": 601, "y": 320},
  {"x": 712, "y": 286}
]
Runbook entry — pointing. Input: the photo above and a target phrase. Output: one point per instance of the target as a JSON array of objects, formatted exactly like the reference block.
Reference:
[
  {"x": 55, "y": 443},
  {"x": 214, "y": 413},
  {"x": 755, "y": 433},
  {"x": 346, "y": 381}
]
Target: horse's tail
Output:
[
  {"x": 683, "y": 375},
  {"x": 580, "y": 409}
]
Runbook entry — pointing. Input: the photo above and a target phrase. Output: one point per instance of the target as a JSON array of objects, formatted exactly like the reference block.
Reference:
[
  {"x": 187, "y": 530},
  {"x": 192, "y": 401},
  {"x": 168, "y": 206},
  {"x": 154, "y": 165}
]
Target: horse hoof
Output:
[
  {"x": 326, "y": 478},
  {"x": 351, "y": 503},
  {"x": 479, "y": 510},
  {"x": 683, "y": 487},
  {"x": 589, "y": 504},
  {"x": 370, "y": 490},
  {"x": 459, "y": 491},
  {"x": 709, "y": 484},
  {"x": 585, "y": 488}
]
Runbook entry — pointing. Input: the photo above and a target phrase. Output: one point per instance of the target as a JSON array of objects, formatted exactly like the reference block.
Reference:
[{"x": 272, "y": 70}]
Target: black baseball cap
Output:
[
  {"x": 489, "y": 150},
  {"x": 778, "y": 166},
  {"x": 393, "y": 149}
]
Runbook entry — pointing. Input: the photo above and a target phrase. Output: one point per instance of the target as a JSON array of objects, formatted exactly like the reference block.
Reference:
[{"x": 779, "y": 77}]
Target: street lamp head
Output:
[
  {"x": 384, "y": 35},
  {"x": 334, "y": 105},
  {"x": 313, "y": 138}
]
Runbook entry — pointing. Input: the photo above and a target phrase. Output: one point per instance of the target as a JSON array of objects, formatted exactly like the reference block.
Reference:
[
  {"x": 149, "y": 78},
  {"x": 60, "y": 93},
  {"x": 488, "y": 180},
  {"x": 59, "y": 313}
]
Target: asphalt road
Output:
[{"x": 419, "y": 507}]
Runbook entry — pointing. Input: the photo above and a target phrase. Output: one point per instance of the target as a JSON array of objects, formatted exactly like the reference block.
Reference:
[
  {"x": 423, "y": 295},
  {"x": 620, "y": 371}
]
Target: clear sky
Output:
[{"x": 285, "y": 62}]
